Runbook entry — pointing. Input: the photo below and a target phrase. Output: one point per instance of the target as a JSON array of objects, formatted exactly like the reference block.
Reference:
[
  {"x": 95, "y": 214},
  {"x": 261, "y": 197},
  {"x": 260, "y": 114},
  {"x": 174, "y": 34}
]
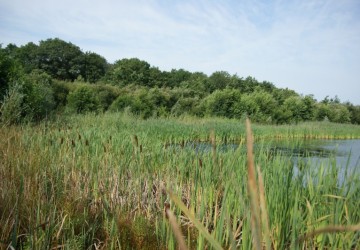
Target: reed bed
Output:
[{"x": 116, "y": 182}]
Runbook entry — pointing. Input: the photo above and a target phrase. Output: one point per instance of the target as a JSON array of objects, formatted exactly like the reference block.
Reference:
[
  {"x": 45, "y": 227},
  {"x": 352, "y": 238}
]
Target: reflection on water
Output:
[{"x": 344, "y": 154}]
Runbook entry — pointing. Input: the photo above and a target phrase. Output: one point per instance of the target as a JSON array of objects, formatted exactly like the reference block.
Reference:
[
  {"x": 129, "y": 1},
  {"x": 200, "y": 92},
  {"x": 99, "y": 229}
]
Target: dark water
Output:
[{"x": 344, "y": 154}]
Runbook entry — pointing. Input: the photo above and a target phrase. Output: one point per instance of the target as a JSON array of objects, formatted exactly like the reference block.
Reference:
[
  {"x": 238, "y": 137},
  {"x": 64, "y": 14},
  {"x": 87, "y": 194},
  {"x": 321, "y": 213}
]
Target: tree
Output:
[
  {"x": 265, "y": 101},
  {"x": 308, "y": 113},
  {"x": 281, "y": 95},
  {"x": 354, "y": 112},
  {"x": 296, "y": 107},
  {"x": 221, "y": 103},
  {"x": 93, "y": 67},
  {"x": 218, "y": 80},
  {"x": 9, "y": 72},
  {"x": 338, "y": 113},
  {"x": 176, "y": 76},
  {"x": 60, "y": 59},
  {"x": 130, "y": 71},
  {"x": 28, "y": 56}
]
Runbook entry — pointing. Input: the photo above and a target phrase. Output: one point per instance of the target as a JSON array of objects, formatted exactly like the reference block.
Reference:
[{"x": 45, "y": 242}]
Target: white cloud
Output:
[{"x": 309, "y": 46}]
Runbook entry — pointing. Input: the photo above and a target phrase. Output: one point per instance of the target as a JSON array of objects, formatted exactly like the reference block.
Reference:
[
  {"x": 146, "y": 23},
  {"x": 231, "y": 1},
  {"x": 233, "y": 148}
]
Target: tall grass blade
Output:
[
  {"x": 176, "y": 229},
  {"x": 253, "y": 190},
  {"x": 192, "y": 218},
  {"x": 329, "y": 229},
  {"x": 264, "y": 214}
]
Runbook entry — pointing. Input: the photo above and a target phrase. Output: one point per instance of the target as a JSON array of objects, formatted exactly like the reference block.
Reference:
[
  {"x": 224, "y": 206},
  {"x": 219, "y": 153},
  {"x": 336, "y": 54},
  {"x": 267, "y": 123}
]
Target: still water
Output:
[{"x": 344, "y": 154}]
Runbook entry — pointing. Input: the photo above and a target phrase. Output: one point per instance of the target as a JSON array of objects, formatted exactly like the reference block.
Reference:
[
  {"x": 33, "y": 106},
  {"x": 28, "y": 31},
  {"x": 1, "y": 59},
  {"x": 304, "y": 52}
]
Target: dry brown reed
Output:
[
  {"x": 329, "y": 229},
  {"x": 253, "y": 189}
]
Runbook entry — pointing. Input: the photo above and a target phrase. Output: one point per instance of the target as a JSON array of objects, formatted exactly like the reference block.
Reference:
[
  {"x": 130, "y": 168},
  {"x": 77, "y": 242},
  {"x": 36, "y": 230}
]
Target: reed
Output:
[{"x": 100, "y": 186}]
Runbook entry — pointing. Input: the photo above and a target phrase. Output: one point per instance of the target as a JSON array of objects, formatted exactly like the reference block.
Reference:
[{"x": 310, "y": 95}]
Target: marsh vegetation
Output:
[{"x": 116, "y": 181}]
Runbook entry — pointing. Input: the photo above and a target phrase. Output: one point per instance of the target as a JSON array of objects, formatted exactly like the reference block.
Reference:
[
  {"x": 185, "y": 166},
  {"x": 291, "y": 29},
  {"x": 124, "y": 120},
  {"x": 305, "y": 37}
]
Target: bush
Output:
[
  {"x": 83, "y": 100},
  {"x": 121, "y": 102},
  {"x": 11, "y": 108},
  {"x": 39, "y": 96},
  {"x": 106, "y": 95},
  {"x": 61, "y": 91},
  {"x": 185, "y": 105}
]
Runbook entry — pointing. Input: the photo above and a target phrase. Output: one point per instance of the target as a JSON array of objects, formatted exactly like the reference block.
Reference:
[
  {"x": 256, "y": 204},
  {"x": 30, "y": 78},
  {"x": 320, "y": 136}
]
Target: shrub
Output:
[
  {"x": 11, "y": 107},
  {"x": 39, "y": 96},
  {"x": 83, "y": 100},
  {"x": 121, "y": 102}
]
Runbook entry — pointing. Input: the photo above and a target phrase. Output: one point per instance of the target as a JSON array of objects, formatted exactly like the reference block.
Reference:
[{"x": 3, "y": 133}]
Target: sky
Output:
[{"x": 310, "y": 46}]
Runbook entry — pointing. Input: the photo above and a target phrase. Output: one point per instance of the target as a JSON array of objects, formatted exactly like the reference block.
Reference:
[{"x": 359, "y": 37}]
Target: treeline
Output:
[{"x": 57, "y": 77}]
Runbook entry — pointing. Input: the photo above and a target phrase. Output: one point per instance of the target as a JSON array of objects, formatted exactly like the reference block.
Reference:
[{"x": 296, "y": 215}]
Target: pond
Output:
[{"x": 344, "y": 154}]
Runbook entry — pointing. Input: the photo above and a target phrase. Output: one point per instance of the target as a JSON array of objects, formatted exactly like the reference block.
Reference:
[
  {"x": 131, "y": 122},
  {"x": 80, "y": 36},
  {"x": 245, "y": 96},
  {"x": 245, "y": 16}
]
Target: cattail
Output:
[
  {"x": 79, "y": 137},
  {"x": 104, "y": 148},
  {"x": 166, "y": 207},
  {"x": 141, "y": 148},
  {"x": 87, "y": 142},
  {"x": 62, "y": 140},
  {"x": 135, "y": 141},
  {"x": 73, "y": 143},
  {"x": 200, "y": 163}
]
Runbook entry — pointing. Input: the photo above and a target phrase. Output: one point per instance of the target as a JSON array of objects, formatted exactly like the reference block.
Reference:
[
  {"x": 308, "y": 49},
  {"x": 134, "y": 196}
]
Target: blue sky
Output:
[{"x": 311, "y": 46}]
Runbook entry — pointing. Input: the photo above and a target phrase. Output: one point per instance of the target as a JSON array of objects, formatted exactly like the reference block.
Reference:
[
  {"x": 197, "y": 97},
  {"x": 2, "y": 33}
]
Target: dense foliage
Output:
[
  {"x": 102, "y": 182},
  {"x": 53, "y": 77}
]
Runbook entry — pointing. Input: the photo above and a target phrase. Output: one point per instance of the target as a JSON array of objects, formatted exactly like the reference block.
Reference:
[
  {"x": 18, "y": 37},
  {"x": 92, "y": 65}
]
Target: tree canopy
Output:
[{"x": 55, "y": 76}]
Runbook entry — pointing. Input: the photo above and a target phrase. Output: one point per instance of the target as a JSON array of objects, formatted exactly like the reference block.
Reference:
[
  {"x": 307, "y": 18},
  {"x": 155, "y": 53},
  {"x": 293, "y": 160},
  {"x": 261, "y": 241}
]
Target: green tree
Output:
[
  {"x": 308, "y": 113},
  {"x": 60, "y": 59},
  {"x": 333, "y": 111},
  {"x": 28, "y": 56},
  {"x": 93, "y": 67},
  {"x": 322, "y": 111},
  {"x": 339, "y": 113},
  {"x": 141, "y": 104},
  {"x": 176, "y": 76},
  {"x": 296, "y": 106},
  {"x": 218, "y": 80},
  {"x": 266, "y": 103},
  {"x": 281, "y": 95},
  {"x": 129, "y": 71},
  {"x": 9, "y": 72},
  {"x": 221, "y": 103},
  {"x": 354, "y": 112},
  {"x": 245, "y": 106}
]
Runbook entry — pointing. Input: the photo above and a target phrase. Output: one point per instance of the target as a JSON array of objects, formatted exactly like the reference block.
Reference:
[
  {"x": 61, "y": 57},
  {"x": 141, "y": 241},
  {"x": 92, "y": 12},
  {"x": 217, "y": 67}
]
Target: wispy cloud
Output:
[{"x": 309, "y": 46}]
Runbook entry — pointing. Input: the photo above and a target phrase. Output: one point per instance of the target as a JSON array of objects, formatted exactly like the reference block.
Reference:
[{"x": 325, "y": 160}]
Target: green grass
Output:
[{"x": 102, "y": 182}]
